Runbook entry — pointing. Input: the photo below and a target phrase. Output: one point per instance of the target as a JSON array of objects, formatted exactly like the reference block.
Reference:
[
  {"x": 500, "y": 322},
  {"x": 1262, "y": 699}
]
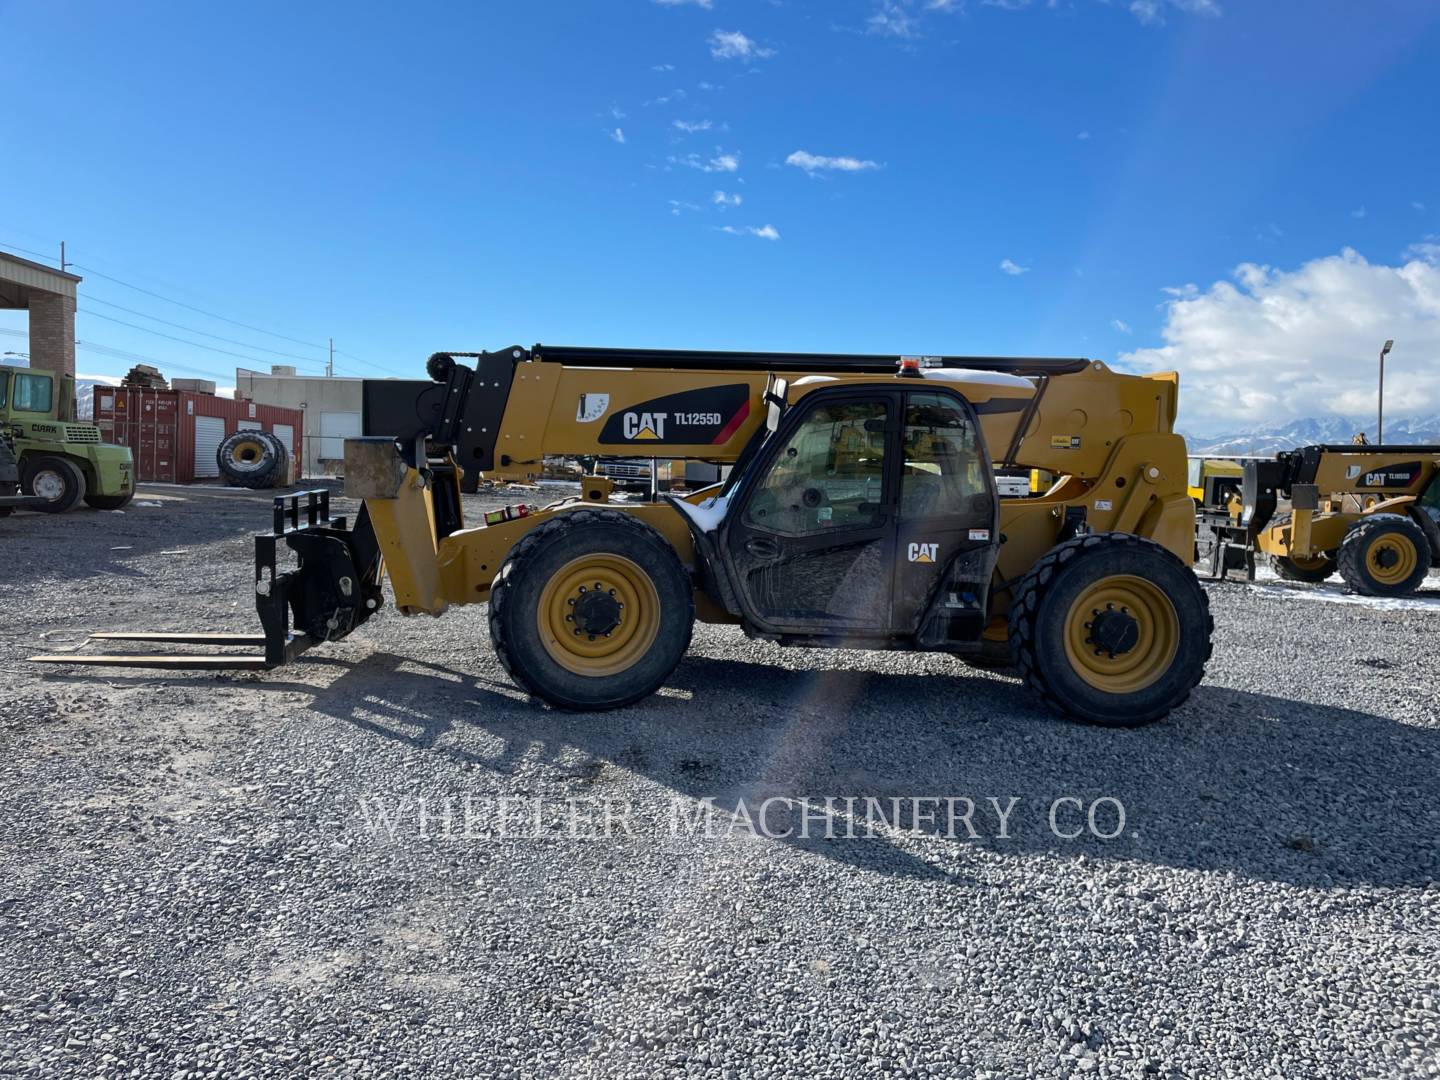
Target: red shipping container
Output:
[{"x": 174, "y": 434}]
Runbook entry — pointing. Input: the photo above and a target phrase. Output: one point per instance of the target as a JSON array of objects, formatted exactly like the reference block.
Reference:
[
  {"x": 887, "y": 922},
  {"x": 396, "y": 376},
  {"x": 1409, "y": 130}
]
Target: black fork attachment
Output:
[{"x": 335, "y": 586}]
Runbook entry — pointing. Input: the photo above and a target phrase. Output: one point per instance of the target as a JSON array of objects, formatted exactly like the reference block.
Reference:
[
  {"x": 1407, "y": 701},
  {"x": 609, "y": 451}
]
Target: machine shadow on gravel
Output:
[{"x": 1235, "y": 782}]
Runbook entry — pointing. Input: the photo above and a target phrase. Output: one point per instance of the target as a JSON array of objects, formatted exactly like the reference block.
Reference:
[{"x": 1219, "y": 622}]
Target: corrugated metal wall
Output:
[{"x": 159, "y": 426}]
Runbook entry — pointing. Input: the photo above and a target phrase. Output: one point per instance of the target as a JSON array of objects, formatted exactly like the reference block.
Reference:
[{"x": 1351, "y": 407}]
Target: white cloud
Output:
[
  {"x": 1358, "y": 213},
  {"x": 1121, "y": 325},
  {"x": 1152, "y": 12},
  {"x": 1013, "y": 268},
  {"x": 677, "y": 206},
  {"x": 692, "y": 126},
  {"x": 892, "y": 20},
  {"x": 618, "y": 135},
  {"x": 1147, "y": 11},
  {"x": 706, "y": 4},
  {"x": 764, "y": 232},
  {"x": 722, "y": 200},
  {"x": 1008, "y": 5},
  {"x": 662, "y": 67},
  {"x": 812, "y": 162},
  {"x": 733, "y": 45},
  {"x": 1280, "y": 344},
  {"x": 1418, "y": 206},
  {"x": 1427, "y": 250},
  {"x": 945, "y": 5},
  {"x": 727, "y": 163},
  {"x": 1082, "y": 135}
]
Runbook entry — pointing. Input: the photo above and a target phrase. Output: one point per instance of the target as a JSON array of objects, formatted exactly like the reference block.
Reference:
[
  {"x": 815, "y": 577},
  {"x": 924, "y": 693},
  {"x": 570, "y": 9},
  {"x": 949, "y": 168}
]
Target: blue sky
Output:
[{"x": 1020, "y": 178}]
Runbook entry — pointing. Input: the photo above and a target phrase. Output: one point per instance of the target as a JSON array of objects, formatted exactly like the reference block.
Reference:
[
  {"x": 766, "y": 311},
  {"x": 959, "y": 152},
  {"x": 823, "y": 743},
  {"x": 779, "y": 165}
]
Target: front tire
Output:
[
  {"x": 1312, "y": 570},
  {"x": 56, "y": 479},
  {"x": 1385, "y": 555},
  {"x": 1111, "y": 629},
  {"x": 591, "y": 610}
]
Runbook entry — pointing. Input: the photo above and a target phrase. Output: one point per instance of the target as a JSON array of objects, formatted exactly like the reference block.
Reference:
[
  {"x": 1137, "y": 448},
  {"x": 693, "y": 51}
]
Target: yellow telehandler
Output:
[{"x": 860, "y": 511}]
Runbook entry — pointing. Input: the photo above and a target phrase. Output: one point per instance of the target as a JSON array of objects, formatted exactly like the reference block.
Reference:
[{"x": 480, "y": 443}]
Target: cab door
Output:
[
  {"x": 948, "y": 520},
  {"x": 809, "y": 543}
]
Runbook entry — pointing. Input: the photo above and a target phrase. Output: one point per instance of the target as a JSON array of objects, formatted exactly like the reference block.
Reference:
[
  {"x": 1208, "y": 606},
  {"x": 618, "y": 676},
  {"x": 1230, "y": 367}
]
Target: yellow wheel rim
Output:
[
  {"x": 247, "y": 451},
  {"x": 1121, "y": 634},
  {"x": 598, "y": 615},
  {"x": 1391, "y": 558}
]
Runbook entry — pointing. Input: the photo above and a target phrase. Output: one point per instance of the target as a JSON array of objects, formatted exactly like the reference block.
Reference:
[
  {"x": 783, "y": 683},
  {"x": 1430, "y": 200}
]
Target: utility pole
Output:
[
  {"x": 330, "y": 366},
  {"x": 1380, "y": 419},
  {"x": 62, "y": 256}
]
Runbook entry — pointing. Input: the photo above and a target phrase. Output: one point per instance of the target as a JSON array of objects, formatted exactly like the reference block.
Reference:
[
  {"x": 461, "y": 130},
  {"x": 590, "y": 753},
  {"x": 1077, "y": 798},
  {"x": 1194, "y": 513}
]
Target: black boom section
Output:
[{"x": 692, "y": 359}]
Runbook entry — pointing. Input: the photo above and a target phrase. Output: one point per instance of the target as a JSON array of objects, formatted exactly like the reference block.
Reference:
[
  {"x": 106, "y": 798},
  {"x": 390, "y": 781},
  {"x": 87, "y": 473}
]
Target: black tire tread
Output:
[
  {"x": 1357, "y": 538},
  {"x": 527, "y": 547},
  {"x": 31, "y": 465},
  {"x": 1026, "y": 606}
]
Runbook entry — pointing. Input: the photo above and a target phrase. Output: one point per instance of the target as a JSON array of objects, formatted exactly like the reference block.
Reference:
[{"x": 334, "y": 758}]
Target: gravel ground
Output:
[{"x": 230, "y": 875}]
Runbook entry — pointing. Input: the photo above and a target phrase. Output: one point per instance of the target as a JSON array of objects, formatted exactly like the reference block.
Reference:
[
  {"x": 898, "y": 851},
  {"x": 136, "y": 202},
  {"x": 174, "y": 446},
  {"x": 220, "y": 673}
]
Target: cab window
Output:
[
  {"x": 32, "y": 393},
  {"x": 1430, "y": 497},
  {"x": 829, "y": 474},
  {"x": 944, "y": 468},
  {"x": 4, "y": 387}
]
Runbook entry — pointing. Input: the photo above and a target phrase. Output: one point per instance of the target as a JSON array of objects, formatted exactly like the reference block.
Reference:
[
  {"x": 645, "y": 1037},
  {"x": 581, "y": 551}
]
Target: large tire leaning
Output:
[
  {"x": 248, "y": 459},
  {"x": 1384, "y": 555},
  {"x": 582, "y": 648},
  {"x": 1151, "y": 643},
  {"x": 56, "y": 478},
  {"x": 110, "y": 502}
]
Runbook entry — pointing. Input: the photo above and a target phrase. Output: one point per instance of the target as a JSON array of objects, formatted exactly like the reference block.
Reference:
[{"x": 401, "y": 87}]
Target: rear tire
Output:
[
  {"x": 248, "y": 459},
  {"x": 1385, "y": 555},
  {"x": 1313, "y": 570},
  {"x": 109, "y": 502},
  {"x": 56, "y": 478},
  {"x": 1139, "y": 663},
  {"x": 582, "y": 648}
]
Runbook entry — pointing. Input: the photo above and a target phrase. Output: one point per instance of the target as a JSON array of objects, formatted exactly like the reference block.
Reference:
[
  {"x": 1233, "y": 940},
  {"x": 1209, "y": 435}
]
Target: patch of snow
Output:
[
  {"x": 977, "y": 378},
  {"x": 708, "y": 515},
  {"x": 1425, "y": 600}
]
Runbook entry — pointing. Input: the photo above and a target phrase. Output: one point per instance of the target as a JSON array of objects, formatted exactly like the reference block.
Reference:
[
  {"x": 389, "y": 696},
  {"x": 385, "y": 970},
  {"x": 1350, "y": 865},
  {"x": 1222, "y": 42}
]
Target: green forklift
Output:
[{"x": 60, "y": 462}]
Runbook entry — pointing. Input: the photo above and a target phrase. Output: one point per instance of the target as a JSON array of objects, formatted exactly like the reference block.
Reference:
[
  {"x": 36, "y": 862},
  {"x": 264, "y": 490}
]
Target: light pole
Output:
[{"x": 1380, "y": 420}]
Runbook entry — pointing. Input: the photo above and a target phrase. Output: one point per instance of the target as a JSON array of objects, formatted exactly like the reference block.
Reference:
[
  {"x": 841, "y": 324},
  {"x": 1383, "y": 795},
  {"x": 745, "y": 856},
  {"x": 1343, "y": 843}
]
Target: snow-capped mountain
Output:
[
  {"x": 85, "y": 393},
  {"x": 1272, "y": 438}
]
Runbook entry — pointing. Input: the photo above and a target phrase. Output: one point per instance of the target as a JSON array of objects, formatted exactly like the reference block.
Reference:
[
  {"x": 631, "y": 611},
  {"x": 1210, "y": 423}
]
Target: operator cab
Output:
[{"x": 863, "y": 511}]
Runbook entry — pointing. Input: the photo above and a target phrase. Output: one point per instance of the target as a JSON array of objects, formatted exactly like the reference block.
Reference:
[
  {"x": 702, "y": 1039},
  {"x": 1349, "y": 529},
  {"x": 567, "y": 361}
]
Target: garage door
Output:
[
  {"x": 249, "y": 425},
  {"x": 209, "y": 434},
  {"x": 286, "y": 434},
  {"x": 335, "y": 428}
]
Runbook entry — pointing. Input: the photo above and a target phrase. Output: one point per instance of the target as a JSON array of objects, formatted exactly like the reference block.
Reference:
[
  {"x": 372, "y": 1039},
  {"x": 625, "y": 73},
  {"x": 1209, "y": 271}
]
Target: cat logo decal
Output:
[{"x": 926, "y": 553}]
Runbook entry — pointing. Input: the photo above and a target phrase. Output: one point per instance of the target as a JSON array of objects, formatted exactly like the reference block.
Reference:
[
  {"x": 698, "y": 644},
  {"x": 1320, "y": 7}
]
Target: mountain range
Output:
[{"x": 1269, "y": 439}]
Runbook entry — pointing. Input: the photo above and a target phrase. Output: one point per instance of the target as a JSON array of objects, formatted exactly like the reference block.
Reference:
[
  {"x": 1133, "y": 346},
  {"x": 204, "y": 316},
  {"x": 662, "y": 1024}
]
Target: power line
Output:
[
  {"x": 172, "y": 337},
  {"x": 202, "y": 333},
  {"x": 27, "y": 251},
  {"x": 199, "y": 311}
]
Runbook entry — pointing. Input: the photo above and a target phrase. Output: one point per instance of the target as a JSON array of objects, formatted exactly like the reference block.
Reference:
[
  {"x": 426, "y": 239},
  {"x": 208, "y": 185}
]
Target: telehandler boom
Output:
[{"x": 860, "y": 512}]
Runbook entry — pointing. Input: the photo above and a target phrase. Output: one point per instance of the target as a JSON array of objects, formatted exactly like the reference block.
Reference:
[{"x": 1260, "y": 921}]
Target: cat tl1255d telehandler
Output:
[
  {"x": 1370, "y": 512},
  {"x": 860, "y": 512}
]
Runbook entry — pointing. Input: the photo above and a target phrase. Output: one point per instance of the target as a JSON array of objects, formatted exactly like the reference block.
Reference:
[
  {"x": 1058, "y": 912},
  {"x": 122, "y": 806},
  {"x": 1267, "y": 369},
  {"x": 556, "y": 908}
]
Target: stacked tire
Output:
[{"x": 252, "y": 459}]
